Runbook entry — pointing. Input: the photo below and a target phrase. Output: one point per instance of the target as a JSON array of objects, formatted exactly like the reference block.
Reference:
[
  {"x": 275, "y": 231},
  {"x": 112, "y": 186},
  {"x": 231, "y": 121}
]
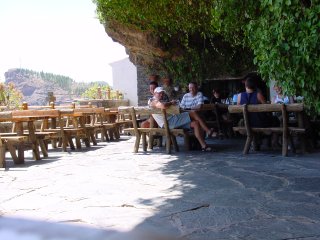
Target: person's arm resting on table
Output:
[{"x": 158, "y": 104}]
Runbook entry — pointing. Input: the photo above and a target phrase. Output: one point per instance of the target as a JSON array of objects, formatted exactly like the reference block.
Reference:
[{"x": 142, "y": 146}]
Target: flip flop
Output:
[
  {"x": 208, "y": 149},
  {"x": 212, "y": 134}
]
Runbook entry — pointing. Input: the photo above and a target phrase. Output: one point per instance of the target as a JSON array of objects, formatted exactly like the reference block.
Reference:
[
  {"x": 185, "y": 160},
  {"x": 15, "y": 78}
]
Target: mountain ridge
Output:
[{"x": 35, "y": 86}]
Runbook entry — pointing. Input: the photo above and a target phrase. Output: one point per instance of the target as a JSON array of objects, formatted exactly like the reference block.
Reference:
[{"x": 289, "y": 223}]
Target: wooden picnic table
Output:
[
  {"x": 20, "y": 117},
  {"x": 284, "y": 128}
]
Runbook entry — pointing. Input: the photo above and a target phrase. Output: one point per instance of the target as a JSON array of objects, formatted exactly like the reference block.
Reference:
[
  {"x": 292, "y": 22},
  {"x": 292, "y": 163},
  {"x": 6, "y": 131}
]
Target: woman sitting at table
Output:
[
  {"x": 185, "y": 120},
  {"x": 280, "y": 97},
  {"x": 253, "y": 96}
]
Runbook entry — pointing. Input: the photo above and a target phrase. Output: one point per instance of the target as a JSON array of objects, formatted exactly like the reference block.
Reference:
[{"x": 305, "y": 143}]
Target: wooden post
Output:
[
  {"x": 99, "y": 93},
  {"x": 52, "y": 105},
  {"x": 24, "y": 106},
  {"x": 108, "y": 92},
  {"x": 51, "y": 97}
]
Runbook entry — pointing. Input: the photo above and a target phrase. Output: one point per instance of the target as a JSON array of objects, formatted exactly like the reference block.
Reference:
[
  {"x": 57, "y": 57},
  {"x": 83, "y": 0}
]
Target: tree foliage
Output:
[
  {"x": 92, "y": 91},
  {"x": 62, "y": 81},
  {"x": 10, "y": 96},
  {"x": 283, "y": 36}
]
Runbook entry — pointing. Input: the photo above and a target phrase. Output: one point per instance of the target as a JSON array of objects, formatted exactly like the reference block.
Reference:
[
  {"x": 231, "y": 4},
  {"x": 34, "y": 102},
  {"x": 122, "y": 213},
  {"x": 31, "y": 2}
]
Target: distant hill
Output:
[{"x": 36, "y": 85}]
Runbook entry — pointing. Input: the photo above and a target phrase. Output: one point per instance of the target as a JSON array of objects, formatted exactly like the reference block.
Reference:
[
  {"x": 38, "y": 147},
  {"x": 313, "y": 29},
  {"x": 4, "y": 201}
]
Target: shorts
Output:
[{"x": 181, "y": 120}]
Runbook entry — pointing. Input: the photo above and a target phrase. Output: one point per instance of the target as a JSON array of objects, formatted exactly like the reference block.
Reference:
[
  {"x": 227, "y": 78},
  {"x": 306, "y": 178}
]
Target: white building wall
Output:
[{"x": 124, "y": 79}]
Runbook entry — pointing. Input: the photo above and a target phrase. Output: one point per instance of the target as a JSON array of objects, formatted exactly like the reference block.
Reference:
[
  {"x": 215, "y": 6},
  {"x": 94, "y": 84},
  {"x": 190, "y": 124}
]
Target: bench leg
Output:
[
  {"x": 117, "y": 133},
  {"x": 60, "y": 141},
  {"x": 137, "y": 143},
  {"x": 285, "y": 145},
  {"x": 247, "y": 145},
  {"x": 78, "y": 142},
  {"x": 291, "y": 142},
  {"x": 186, "y": 140},
  {"x": 54, "y": 143},
  {"x": 150, "y": 141},
  {"x": 110, "y": 132},
  {"x": 105, "y": 133},
  {"x": 12, "y": 151},
  {"x": 34, "y": 141},
  {"x": 43, "y": 148},
  {"x": 69, "y": 138},
  {"x": 86, "y": 141},
  {"x": 303, "y": 144},
  {"x": 93, "y": 138},
  {"x": 2, "y": 156},
  {"x": 168, "y": 145},
  {"x": 144, "y": 142},
  {"x": 174, "y": 142}
]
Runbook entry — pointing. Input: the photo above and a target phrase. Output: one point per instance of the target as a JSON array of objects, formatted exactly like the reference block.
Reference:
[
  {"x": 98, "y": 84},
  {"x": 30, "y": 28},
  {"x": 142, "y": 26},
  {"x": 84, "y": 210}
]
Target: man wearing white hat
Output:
[{"x": 183, "y": 120}]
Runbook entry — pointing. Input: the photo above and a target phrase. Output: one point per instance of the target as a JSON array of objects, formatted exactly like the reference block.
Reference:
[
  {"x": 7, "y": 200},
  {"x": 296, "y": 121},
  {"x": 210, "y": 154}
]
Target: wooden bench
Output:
[
  {"x": 141, "y": 133},
  {"x": 9, "y": 142},
  {"x": 284, "y": 128}
]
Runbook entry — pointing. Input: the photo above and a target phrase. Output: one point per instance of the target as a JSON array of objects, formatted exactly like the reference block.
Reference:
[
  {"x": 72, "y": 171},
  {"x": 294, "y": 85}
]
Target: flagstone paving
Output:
[{"x": 108, "y": 192}]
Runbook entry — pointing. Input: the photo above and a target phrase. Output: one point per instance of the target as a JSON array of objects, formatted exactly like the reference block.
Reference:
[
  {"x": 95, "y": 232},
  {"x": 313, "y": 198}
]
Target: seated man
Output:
[
  {"x": 193, "y": 99},
  {"x": 152, "y": 86},
  {"x": 183, "y": 120},
  {"x": 169, "y": 89}
]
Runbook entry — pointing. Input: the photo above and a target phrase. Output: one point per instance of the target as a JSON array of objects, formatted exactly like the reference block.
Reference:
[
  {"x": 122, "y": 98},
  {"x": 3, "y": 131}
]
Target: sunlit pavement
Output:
[{"x": 107, "y": 192}]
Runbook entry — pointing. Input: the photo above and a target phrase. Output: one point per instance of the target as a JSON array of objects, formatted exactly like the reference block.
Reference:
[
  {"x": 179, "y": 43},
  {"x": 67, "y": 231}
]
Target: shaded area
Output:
[{"x": 186, "y": 195}]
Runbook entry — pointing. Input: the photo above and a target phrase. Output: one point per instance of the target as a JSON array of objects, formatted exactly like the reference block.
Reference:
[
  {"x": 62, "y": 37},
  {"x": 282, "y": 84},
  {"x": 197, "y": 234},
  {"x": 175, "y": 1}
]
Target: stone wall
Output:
[{"x": 143, "y": 86}]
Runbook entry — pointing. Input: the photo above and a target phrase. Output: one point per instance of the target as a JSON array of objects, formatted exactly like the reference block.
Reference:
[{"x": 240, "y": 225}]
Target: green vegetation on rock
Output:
[{"x": 279, "y": 38}]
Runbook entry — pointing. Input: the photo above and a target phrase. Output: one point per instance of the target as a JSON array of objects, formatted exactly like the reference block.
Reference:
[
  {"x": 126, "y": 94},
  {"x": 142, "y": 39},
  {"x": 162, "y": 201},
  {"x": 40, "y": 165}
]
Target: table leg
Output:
[
  {"x": 34, "y": 141},
  {"x": 20, "y": 147}
]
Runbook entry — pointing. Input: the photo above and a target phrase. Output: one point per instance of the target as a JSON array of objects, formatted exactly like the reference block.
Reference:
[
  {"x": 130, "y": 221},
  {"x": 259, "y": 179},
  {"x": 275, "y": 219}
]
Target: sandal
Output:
[
  {"x": 206, "y": 149},
  {"x": 212, "y": 134}
]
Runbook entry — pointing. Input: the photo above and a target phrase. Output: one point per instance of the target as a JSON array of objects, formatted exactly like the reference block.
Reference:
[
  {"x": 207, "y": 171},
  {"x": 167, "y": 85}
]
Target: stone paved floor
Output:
[{"x": 108, "y": 192}]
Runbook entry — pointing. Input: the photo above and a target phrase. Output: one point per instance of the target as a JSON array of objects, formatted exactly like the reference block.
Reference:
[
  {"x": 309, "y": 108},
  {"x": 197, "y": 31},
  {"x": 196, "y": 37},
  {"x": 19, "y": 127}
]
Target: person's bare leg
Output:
[
  {"x": 145, "y": 124},
  {"x": 197, "y": 132},
  {"x": 195, "y": 117}
]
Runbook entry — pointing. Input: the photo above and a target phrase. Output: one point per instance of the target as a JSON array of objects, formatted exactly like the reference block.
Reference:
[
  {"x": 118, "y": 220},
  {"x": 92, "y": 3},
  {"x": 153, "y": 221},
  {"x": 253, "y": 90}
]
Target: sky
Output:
[{"x": 56, "y": 36}]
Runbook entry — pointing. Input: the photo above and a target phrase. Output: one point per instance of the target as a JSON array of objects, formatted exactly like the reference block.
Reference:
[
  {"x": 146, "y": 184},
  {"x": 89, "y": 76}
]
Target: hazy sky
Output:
[{"x": 58, "y": 36}]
